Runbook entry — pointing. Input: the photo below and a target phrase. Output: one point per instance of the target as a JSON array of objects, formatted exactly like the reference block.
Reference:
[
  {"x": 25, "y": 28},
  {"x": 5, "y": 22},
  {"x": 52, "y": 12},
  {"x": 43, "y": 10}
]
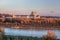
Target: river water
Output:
[{"x": 33, "y": 33}]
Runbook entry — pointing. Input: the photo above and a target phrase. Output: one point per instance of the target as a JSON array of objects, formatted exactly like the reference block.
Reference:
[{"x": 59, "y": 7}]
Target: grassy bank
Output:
[
  {"x": 5, "y": 37},
  {"x": 20, "y": 38}
]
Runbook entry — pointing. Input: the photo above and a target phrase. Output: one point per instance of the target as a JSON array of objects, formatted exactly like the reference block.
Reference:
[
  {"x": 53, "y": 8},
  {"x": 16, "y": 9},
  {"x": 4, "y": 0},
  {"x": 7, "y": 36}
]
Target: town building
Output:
[{"x": 33, "y": 15}]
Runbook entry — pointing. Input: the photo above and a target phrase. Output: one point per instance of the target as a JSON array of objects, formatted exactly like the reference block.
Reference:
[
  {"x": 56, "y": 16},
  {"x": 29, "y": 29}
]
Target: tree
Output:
[{"x": 50, "y": 36}]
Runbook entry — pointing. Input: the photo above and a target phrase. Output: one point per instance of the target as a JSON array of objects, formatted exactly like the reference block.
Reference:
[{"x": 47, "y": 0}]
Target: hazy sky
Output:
[{"x": 43, "y": 7}]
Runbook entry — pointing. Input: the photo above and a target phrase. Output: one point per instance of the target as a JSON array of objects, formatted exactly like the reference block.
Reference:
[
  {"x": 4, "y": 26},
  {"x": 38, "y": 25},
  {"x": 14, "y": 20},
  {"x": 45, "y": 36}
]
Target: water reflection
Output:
[{"x": 33, "y": 33}]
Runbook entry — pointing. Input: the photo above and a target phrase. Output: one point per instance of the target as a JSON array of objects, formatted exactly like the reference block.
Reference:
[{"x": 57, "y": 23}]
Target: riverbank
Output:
[
  {"x": 28, "y": 26},
  {"x": 32, "y": 27},
  {"x": 23, "y": 38}
]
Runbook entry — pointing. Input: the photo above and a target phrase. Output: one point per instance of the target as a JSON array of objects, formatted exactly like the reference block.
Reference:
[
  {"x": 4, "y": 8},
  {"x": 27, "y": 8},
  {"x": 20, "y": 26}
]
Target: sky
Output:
[{"x": 43, "y": 7}]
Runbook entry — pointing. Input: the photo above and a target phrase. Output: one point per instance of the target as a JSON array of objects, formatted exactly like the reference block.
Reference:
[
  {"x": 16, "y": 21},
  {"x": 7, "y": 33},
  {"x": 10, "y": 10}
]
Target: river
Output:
[{"x": 33, "y": 33}]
